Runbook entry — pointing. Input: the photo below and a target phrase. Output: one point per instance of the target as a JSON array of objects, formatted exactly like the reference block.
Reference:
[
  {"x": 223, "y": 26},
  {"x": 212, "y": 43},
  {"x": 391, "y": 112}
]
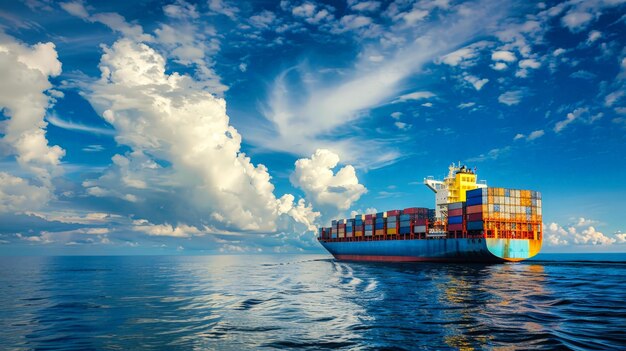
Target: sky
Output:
[{"x": 232, "y": 127}]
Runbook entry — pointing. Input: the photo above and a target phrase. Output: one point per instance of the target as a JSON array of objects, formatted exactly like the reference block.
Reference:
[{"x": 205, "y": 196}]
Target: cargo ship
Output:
[{"x": 471, "y": 222}]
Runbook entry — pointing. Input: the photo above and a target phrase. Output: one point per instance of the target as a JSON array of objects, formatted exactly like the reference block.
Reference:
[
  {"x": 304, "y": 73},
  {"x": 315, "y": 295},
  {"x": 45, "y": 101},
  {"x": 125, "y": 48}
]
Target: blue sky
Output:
[{"x": 154, "y": 127}]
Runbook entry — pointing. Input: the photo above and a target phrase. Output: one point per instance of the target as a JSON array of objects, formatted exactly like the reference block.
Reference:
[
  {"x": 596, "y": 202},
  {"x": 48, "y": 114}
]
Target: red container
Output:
[
  {"x": 393, "y": 213},
  {"x": 456, "y": 212},
  {"x": 369, "y": 221},
  {"x": 410, "y": 210},
  {"x": 455, "y": 227},
  {"x": 369, "y": 216},
  {"x": 475, "y": 217},
  {"x": 420, "y": 221},
  {"x": 474, "y": 209}
]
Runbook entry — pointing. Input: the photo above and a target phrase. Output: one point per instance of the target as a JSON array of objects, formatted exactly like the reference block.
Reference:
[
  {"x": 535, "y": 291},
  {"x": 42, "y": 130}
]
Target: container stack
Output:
[
  {"x": 504, "y": 213},
  {"x": 350, "y": 228},
  {"x": 412, "y": 217},
  {"x": 455, "y": 216},
  {"x": 369, "y": 225},
  {"x": 393, "y": 217},
  {"x": 380, "y": 223},
  {"x": 341, "y": 228},
  {"x": 358, "y": 225}
]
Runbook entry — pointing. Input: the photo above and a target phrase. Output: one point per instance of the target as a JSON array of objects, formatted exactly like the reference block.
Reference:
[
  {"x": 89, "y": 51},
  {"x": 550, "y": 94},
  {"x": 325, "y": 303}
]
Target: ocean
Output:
[{"x": 310, "y": 302}]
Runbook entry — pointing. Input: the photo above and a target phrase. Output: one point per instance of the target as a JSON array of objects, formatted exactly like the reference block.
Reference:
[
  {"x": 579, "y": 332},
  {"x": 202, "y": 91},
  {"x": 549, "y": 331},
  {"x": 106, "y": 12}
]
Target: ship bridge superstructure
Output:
[{"x": 460, "y": 179}]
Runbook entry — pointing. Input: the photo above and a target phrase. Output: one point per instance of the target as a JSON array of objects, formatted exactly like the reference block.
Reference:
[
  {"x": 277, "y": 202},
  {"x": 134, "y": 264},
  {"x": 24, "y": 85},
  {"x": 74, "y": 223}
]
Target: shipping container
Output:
[
  {"x": 421, "y": 221},
  {"x": 391, "y": 231},
  {"x": 475, "y": 217},
  {"x": 455, "y": 212},
  {"x": 455, "y": 205},
  {"x": 455, "y": 227},
  {"x": 475, "y": 225},
  {"x": 393, "y": 213},
  {"x": 379, "y": 232},
  {"x": 455, "y": 220},
  {"x": 391, "y": 224},
  {"x": 405, "y": 230},
  {"x": 419, "y": 229}
]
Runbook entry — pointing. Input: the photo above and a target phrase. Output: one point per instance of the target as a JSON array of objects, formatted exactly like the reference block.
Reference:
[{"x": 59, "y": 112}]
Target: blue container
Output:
[
  {"x": 405, "y": 230},
  {"x": 405, "y": 223},
  {"x": 477, "y": 225},
  {"x": 391, "y": 225},
  {"x": 380, "y": 225},
  {"x": 496, "y": 208},
  {"x": 368, "y": 227},
  {"x": 474, "y": 201},
  {"x": 479, "y": 192},
  {"x": 405, "y": 217},
  {"x": 455, "y": 220}
]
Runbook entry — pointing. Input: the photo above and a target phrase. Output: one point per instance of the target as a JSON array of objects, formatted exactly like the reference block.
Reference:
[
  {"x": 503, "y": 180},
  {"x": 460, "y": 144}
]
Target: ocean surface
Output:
[{"x": 311, "y": 302}]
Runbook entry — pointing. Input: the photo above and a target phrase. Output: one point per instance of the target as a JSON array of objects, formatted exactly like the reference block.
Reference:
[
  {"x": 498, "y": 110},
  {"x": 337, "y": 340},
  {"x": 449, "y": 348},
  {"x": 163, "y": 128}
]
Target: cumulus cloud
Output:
[
  {"x": 18, "y": 195},
  {"x": 511, "y": 98},
  {"x": 557, "y": 235},
  {"x": 329, "y": 191},
  {"x": 503, "y": 55},
  {"x": 583, "y": 13},
  {"x": 476, "y": 82},
  {"x": 185, "y": 155},
  {"x": 25, "y": 71},
  {"x": 525, "y": 66}
]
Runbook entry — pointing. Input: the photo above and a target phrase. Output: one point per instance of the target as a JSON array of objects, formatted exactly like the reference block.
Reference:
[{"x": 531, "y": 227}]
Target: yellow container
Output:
[
  {"x": 358, "y": 233},
  {"x": 392, "y": 231}
]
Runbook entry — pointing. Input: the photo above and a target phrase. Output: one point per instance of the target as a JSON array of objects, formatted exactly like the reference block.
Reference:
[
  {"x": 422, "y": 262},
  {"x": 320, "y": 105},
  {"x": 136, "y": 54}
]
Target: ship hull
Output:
[{"x": 435, "y": 250}]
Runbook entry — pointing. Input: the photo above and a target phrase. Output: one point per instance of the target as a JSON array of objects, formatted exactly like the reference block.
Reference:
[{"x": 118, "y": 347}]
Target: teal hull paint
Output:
[{"x": 449, "y": 250}]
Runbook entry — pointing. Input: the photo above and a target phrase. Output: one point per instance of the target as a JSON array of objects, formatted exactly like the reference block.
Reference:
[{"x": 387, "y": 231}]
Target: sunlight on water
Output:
[{"x": 311, "y": 302}]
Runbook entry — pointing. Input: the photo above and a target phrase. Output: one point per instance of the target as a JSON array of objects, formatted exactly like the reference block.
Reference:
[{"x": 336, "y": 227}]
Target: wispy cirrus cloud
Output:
[{"x": 301, "y": 120}]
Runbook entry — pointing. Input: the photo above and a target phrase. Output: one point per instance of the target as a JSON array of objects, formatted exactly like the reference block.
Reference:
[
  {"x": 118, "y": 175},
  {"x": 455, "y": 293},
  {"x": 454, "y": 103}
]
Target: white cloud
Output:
[
  {"x": 476, "y": 82},
  {"x": 328, "y": 191},
  {"x": 466, "y": 105},
  {"x": 402, "y": 125},
  {"x": 593, "y": 36},
  {"x": 365, "y": 6},
  {"x": 611, "y": 98},
  {"x": 557, "y": 235},
  {"x": 457, "y": 57},
  {"x": 581, "y": 114},
  {"x": 173, "y": 119},
  {"x": 396, "y": 115},
  {"x": 583, "y": 13},
  {"x": 301, "y": 112},
  {"x": 576, "y": 21},
  {"x": 69, "y": 125},
  {"x": 535, "y": 135},
  {"x": 179, "y": 231},
  {"x": 110, "y": 19},
  {"x": 525, "y": 65},
  {"x": 417, "y": 95},
  {"x": 511, "y": 98},
  {"x": 532, "y": 136},
  {"x": 224, "y": 8},
  {"x": 503, "y": 55},
  {"x": 499, "y": 66},
  {"x": 25, "y": 71},
  {"x": 314, "y": 14},
  {"x": 263, "y": 20},
  {"x": 17, "y": 195},
  {"x": 181, "y": 9}
]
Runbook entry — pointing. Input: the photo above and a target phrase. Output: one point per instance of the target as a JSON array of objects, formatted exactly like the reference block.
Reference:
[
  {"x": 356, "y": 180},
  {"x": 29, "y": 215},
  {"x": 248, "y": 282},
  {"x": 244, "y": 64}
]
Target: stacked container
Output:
[
  {"x": 349, "y": 228},
  {"x": 358, "y": 225},
  {"x": 369, "y": 225},
  {"x": 379, "y": 223},
  {"x": 455, "y": 216},
  {"x": 341, "y": 228},
  {"x": 393, "y": 218},
  {"x": 501, "y": 212}
]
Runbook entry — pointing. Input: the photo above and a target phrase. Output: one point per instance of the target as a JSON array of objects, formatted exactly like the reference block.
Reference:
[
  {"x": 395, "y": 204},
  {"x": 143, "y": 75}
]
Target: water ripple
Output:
[{"x": 305, "y": 302}]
